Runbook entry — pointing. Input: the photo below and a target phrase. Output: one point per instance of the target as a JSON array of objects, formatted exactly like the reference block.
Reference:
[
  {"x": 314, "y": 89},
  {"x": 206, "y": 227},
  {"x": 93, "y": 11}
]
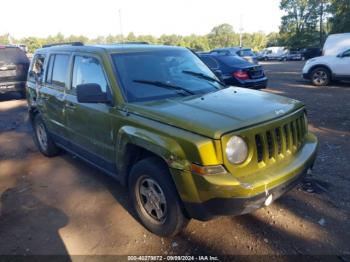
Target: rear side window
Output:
[
  {"x": 88, "y": 70},
  {"x": 346, "y": 53},
  {"x": 37, "y": 69},
  {"x": 58, "y": 70},
  {"x": 246, "y": 52},
  {"x": 210, "y": 62}
]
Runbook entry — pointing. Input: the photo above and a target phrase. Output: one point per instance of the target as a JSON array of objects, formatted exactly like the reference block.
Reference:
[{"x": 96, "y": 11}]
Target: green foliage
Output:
[
  {"x": 299, "y": 24},
  {"x": 220, "y": 36},
  {"x": 307, "y": 22},
  {"x": 4, "y": 39},
  {"x": 223, "y": 36},
  {"x": 340, "y": 20}
]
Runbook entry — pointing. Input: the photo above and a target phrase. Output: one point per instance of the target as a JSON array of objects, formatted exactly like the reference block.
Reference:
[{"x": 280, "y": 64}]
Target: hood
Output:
[
  {"x": 322, "y": 59},
  {"x": 215, "y": 114}
]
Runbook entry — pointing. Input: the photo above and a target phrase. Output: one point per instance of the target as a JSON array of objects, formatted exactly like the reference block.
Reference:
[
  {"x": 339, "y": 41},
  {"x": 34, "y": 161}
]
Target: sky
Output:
[{"x": 92, "y": 18}]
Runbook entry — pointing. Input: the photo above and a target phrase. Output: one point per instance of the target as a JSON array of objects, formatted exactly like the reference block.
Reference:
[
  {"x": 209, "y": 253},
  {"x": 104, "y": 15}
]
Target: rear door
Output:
[
  {"x": 51, "y": 98},
  {"x": 89, "y": 124}
]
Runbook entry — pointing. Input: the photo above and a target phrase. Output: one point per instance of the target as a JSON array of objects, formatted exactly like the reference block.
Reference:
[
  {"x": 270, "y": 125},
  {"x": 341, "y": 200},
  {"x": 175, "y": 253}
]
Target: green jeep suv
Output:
[{"x": 159, "y": 121}]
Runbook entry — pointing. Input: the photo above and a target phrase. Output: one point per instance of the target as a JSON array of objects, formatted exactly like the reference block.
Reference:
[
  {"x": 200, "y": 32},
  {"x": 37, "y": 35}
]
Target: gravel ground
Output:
[{"x": 63, "y": 206}]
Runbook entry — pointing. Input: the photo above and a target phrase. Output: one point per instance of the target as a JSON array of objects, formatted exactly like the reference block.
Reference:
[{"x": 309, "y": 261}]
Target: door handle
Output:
[{"x": 70, "y": 106}]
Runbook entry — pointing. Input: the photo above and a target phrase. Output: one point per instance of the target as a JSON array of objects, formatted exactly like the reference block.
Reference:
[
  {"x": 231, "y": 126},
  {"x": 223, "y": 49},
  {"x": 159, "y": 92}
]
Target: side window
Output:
[
  {"x": 346, "y": 53},
  {"x": 88, "y": 70},
  {"x": 58, "y": 69},
  {"x": 210, "y": 62},
  {"x": 49, "y": 70},
  {"x": 37, "y": 70}
]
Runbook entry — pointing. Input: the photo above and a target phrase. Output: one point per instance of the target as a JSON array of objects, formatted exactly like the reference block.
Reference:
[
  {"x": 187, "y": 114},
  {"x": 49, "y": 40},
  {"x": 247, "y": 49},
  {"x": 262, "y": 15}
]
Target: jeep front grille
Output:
[{"x": 280, "y": 140}]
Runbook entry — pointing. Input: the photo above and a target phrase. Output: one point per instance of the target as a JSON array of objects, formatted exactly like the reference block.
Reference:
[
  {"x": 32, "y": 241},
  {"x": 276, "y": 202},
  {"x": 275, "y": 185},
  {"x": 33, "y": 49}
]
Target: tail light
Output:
[{"x": 242, "y": 75}]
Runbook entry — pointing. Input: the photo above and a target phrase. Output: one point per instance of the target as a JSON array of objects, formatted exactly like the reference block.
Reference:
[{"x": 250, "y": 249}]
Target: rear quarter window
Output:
[{"x": 210, "y": 62}]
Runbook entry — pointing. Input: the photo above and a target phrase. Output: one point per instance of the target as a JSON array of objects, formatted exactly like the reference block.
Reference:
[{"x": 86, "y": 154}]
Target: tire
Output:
[
  {"x": 284, "y": 59},
  {"x": 43, "y": 139},
  {"x": 320, "y": 76},
  {"x": 303, "y": 58},
  {"x": 266, "y": 59},
  {"x": 150, "y": 182}
]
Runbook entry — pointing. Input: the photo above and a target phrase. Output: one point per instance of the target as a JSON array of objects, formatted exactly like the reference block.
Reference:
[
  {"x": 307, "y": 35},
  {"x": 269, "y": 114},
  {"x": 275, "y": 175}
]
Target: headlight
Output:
[{"x": 236, "y": 150}]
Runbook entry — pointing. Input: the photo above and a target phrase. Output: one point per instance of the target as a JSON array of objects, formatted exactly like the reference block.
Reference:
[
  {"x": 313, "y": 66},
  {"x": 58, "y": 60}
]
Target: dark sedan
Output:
[{"x": 235, "y": 71}]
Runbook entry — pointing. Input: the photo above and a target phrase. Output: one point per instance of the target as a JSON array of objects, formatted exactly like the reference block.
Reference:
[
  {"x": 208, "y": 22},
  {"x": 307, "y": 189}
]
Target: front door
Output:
[
  {"x": 89, "y": 124},
  {"x": 342, "y": 65}
]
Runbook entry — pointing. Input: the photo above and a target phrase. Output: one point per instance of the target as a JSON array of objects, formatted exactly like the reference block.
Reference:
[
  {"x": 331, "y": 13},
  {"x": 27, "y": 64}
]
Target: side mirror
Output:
[{"x": 91, "y": 93}]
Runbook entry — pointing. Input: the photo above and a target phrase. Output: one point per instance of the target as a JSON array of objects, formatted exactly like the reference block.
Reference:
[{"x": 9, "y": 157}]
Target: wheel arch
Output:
[
  {"x": 134, "y": 144},
  {"x": 32, "y": 111},
  {"x": 321, "y": 66}
]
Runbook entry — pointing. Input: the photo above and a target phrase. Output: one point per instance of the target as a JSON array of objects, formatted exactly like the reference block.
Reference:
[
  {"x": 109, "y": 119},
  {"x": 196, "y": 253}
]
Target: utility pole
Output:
[
  {"x": 241, "y": 31},
  {"x": 121, "y": 25}
]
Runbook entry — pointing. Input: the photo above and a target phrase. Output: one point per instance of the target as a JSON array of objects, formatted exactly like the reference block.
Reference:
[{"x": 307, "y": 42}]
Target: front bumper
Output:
[
  {"x": 18, "y": 86},
  {"x": 205, "y": 197}
]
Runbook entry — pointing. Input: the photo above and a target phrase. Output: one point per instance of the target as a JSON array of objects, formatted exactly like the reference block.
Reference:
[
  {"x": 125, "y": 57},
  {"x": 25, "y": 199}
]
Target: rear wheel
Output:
[
  {"x": 43, "y": 139},
  {"x": 155, "y": 198},
  {"x": 320, "y": 76}
]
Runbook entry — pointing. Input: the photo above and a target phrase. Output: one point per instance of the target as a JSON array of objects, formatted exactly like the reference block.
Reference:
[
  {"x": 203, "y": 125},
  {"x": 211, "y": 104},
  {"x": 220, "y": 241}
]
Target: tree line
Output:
[
  {"x": 305, "y": 23},
  {"x": 220, "y": 36}
]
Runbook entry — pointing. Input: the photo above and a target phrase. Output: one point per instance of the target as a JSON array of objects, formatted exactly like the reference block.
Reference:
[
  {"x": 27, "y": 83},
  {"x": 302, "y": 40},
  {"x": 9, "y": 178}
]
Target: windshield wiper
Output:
[
  {"x": 203, "y": 76},
  {"x": 164, "y": 85}
]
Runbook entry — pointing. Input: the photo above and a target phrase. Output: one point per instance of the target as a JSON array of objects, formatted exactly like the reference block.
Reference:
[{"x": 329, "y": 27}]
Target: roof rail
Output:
[{"x": 67, "y": 43}]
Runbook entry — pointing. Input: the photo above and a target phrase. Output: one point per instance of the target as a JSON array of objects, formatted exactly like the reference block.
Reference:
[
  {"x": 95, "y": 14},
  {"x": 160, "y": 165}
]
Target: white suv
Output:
[{"x": 322, "y": 70}]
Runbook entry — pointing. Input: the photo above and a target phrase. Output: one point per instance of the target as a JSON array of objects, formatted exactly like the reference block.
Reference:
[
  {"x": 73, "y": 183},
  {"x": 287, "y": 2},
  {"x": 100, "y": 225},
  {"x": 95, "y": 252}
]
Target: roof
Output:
[{"x": 111, "y": 48}]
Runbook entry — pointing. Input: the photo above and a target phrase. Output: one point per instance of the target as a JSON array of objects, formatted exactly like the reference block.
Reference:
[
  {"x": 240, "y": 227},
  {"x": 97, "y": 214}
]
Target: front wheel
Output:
[
  {"x": 155, "y": 198},
  {"x": 320, "y": 76}
]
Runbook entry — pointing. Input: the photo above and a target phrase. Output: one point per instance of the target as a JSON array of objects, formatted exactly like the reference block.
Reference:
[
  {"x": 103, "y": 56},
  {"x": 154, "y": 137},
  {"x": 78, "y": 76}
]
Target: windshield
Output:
[{"x": 159, "y": 74}]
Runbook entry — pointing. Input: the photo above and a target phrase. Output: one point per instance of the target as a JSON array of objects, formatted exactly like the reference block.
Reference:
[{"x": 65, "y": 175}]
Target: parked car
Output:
[
  {"x": 311, "y": 52},
  {"x": 272, "y": 53},
  {"x": 245, "y": 53},
  {"x": 292, "y": 56},
  {"x": 322, "y": 70},
  {"x": 13, "y": 70},
  {"x": 235, "y": 71},
  {"x": 157, "y": 119}
]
